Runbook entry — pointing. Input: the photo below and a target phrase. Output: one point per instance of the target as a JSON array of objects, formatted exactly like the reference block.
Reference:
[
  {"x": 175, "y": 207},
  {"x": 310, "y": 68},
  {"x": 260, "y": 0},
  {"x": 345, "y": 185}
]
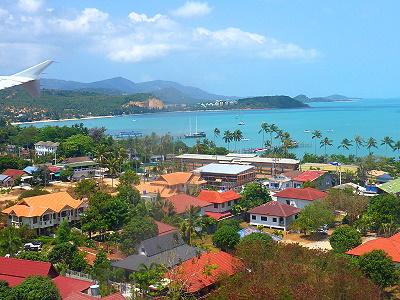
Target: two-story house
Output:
[
  {"x": 45, "y": 211},
  {"x": 221, "y": 202},
  {"x": 319, "y": 179},
  {"x": 45, "y": 148},
  {"x": 299, "y": 197}
]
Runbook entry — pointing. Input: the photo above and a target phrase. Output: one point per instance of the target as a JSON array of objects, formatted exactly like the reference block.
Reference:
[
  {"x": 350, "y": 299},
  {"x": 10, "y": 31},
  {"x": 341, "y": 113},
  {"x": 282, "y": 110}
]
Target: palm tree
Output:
[
  {"x": 100, "y": 153},
  {"x": 190, "y": 224},
  {"x": 114, "y": 160},
  {"x": 237, "y": 135},
  {"x": 287, "y": 143},
  {"x": 227, "y": 137},
  {"x": 316, "y": 134},
  {"x": 10, "y": 241},
  {"x": 325, "y": 142},
  {"x": 345, "y": 144},
  {"x": 396, "y": 147},
  {"x": 272, "y": 129},
  {"x": 264, "y": 129},
  {"x": 217, "y": 132},
  {"x": 359, "y": 141},
  {"x": 371, "y": 143},
  {"x": 387, "y": 141}
]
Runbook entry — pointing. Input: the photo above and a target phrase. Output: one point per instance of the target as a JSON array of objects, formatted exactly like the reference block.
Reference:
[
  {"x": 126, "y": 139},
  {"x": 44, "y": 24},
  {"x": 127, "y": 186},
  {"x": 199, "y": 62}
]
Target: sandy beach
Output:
[{"x": 61, "y": 120}]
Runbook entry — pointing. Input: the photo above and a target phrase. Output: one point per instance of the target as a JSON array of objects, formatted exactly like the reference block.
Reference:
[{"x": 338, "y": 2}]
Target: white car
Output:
[{"x": 33, "y": 246}]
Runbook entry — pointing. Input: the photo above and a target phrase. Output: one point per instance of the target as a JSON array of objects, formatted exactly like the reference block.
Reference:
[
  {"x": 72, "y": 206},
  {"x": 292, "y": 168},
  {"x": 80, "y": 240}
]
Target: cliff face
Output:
[{"x": 151, "y": 103}]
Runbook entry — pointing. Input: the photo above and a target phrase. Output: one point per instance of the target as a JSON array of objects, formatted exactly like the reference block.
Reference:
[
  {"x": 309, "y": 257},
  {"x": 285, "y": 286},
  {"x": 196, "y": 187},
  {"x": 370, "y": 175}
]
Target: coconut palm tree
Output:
[
  {"x": 396, "y": 147},
  {"x": 316, "y": 135},
  {"x": 359, "y": 141},
  {"x": 190, "y": 223},
  {"x": 271, "y": 130},
  {"x": 387, "y": 141},
  {"x": 371, "y": 143},
  {"x": 237, "y": 136},
  {"x": 325, "y": 142},
  {"x": 264, "y": 129},
  {"x": 227, "y": 137},
  {"x": 287, "y": 142},
  {"x": 217, "y": 133},
  {"x": 345, "y": 144}
]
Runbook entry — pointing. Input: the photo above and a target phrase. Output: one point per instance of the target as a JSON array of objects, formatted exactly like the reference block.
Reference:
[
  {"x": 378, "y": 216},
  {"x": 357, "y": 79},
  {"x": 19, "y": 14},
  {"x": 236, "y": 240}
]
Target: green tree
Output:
[
  {"x": 5, "y": 291},
  {"x": 345, "y": 144},
  {"x": 377, "y": 266},
  {"x": 344, "y": 238},
  {"x": 36, "y": 288},
  {"x": 254, "y": 194},
  {"x": 226, "y": 238},
  {"x": 129, "y": 178},
  {"x": 190, "y": 223},
  {"x": 325, "y": 143},
  {"x": 258, "y": 237},
  {"x": 63, "y": 233},
  {"x": 129, "y": 194},
  {"x": 387, "y": 141},
  {"x": 86, "y": 188},
  {"x": 371, "y": 143},
  {"x": 237, "y": 136},
  {"x": 316, "y": 135},
  {"x": 32, "y": 255},
  {"x": 10, "y": 241},
  {"x": 312, "y": 217},
  {"x": 101, "y": 266},
  {"x": 396, "y": 147},
  {"x": 66, "y": 174},
  {"x": 227, "y": 137},
  {"x": 264, "y": 129},
  {"x": 77, "y": 145},
  {"x": 359, "y": 141},
  {"x": 148, "y": 275},
  {"x": 229, "y": 222}
]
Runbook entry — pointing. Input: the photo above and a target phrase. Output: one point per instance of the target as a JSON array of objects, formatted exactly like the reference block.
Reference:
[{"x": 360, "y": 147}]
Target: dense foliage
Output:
[
  {"x": 344, "y": 238},
  {"x": 226, "y": 238}
]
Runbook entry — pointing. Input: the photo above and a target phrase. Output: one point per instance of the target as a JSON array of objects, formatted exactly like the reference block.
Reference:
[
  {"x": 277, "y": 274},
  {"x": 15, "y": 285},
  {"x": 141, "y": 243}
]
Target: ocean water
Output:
[{"x": 337, "y": 120}]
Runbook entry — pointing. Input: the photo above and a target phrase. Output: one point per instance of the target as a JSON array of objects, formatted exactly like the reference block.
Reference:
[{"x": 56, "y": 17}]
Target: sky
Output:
[{"x": 241, "y": 47}]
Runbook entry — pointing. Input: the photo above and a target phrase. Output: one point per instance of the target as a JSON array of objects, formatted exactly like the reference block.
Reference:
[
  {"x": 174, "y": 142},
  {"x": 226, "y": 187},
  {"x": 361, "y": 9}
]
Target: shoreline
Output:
[{"x": 61, "y": 120}]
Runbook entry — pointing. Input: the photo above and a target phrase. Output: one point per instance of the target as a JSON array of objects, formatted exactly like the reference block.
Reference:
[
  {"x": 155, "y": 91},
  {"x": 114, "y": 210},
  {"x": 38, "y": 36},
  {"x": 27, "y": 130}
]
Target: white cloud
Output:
[
  {"x": 87, "y": 20},
  {"x": 138, "y": 53},
  {"x": 30, "y": 5},
  {"x": 192, "y": 9},
  {"x": 142, "y": 18},
  {"x": 229, "y": 37}
]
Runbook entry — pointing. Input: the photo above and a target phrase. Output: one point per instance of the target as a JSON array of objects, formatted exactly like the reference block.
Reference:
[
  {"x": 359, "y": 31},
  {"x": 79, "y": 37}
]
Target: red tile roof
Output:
[
  {"x": 309, "y": 175},
  {"x": 14, "y": 173},
  {"x": 275, "y": 208},
  {"x": 218, "y": 197},
  {"x": 182, "y": 202},
  {"x": 309, "y": 194},
  {"x": 15, "y": 270},
  {"x": 164, "y": 228},
  {"x": 216, "y": 215},
  {"x": 80, "y": 296},
  {"x": 201, "y": 272},
  {"x": 67, "y": 285},
  {"x": 390, "y": 245}
]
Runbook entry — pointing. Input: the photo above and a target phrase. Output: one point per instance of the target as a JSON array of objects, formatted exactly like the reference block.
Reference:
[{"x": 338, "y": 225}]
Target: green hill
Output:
[{"x": 270, "y": 102}]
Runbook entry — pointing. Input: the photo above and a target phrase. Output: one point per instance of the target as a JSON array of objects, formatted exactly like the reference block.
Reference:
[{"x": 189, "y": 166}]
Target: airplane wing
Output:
[{"x": 7, "y": 82}]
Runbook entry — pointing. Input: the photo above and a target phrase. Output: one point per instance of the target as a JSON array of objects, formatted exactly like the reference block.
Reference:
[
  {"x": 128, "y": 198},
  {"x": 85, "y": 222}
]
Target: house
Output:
[
  {"x": 14, "y": 271},
  {"x": 168, "y": 249},
  {"x": 168, "y": 185},
  {"x": 31, "y": 170},
  {"x": 199, "y": 274},
  {"x": 82, "y": 167},
  {"x": 222, "y": 202},
  {"x": 14, "y": 173},
  {"x": 378, "y": 176},
  {"x": 226, "y": 176},
  {"x": 263, "y": 165},
  {"x": 299, "y": 197},
  {"x": 390, "y": 245},
  {"x": 391, "y": 187},
  {"x": 45, "y": 148},
  {"x": 278, "y": 182},
  {"x": 183, "y": 202},
  {"x": 320, "y": 179},
  {"x": 273, "y": 214},
  {"x": 45, "y": 211},
  {"x": 6, "y": 181}
]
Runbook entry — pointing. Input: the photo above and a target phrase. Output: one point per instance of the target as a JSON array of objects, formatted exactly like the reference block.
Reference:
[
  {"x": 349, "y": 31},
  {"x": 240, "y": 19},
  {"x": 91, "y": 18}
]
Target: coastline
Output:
[{"x": 61, "y": 120}]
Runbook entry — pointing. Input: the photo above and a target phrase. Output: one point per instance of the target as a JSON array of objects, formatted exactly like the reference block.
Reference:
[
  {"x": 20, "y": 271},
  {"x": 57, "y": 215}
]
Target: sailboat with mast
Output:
[{"x": 196, "y": 134}]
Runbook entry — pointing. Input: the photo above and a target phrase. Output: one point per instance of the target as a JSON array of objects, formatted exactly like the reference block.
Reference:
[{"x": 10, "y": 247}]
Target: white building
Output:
[
  {"x": 45, "y": 148},
  {"x": 273, "y": 214},
  {"x": 299, "y": 197}
]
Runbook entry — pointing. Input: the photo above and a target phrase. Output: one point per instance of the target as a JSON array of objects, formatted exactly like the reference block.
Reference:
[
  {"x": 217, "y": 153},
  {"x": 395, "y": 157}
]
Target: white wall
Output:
[
  {"x": 269, "y": 222},
  {"x": 294, "y": 202}
]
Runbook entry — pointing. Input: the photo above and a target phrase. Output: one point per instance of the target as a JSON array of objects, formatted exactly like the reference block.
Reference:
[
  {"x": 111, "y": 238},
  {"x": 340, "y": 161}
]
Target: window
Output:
[
  {"x": 229, "y": 203},
  {"x": 215, "y": 205},
  {"x": 34, "y": 220},
  {"x": 223, "y": 205},
  {"x": 274, "y": 220},
  {"x": 63, "y": 213},
  {"x": 253, "y": 217},
  {"x": 264, "y": 219},
  {"x": 288, "y": 202}
]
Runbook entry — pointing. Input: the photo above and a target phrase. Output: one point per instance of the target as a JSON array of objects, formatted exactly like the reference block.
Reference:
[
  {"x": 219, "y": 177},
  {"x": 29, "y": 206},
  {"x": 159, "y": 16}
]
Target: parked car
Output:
[{"x": 33, "y": 246}]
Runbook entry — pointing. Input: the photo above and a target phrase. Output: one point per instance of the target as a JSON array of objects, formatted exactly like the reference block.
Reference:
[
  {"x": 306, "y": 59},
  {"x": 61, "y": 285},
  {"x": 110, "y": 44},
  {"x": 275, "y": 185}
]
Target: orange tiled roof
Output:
[
  {"x": 38, "y": 205},
  {"x": 150, "y": 187},
  {"x": 218, "y": 197},
  {"x": 179, "y": 178}
]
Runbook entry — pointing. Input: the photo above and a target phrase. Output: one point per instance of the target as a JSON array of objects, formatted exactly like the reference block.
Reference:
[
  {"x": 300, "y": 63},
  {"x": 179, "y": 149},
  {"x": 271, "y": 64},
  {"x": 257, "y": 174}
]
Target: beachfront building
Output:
[
  {"x": 263, "y": 165},
  {"x": 82, "y": 167},
  {"x": 299, "y": 197},
  {"x": 273, "y": 214},
  {"x": 221, "y": 203},
  {"x": 226, "y": 176},
  {"x": 321, "y": 180},
  {"x": 45, "y": 148},
  {"x": 45, "y": 211},
  {"x": 171, "y": 184}
]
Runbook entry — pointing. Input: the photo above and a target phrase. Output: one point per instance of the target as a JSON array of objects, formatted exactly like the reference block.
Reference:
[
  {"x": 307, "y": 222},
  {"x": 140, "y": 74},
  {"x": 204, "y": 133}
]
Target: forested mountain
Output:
[
  {"x": 168, "y": 91},
  {"x": 270, "y": 102},
  {"x": 331, "y": 98}
]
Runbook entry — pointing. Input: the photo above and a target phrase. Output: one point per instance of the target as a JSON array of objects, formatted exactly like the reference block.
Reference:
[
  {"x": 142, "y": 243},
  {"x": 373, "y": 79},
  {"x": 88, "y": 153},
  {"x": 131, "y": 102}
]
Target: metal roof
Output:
[
  {"x": 391, "y": 187},
  {"x": 231, "y": 169}
]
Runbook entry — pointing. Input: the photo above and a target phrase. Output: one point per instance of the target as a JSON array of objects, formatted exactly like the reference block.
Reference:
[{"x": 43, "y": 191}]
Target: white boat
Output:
[
  {"x": 245, "y": 139},
  {"x": 196, "y": 134},
  {"x": 241, "y": 123},
  {"x": 133, "y": 120},
  {"x": 307, "y": 131}
]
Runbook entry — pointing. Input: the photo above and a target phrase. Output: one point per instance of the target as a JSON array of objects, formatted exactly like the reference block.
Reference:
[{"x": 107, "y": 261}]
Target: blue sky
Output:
[{"x": 252, "y": 47}]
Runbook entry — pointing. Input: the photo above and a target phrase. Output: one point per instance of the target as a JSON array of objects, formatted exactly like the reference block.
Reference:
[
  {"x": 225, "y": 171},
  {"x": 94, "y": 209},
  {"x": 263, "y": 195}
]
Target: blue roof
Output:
[
  {"x": 31, "y": 169},
  {"x": 3, "y": 177},
  {"x": 249, "y": 230}
]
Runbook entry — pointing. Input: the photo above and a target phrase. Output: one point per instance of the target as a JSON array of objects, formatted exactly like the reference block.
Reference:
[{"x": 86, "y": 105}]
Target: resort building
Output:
[
  {"x": 321, "y": 180},
  {"x": 263, "y": 165},
  {"x": 221, "y": 203},
  {"x": 191, "y": 273},
  {"x": 82, "y": 167},
  {"x": 45, "y": 211},
  {"x": 273, "y": 214},
  {"x": 45, "y": 148},
  {"x": 226, "y": 176},
  {"x": 168, "y": 185},
  {"x": 182, "y": 202},
  {"x": 299, "y": 197}
]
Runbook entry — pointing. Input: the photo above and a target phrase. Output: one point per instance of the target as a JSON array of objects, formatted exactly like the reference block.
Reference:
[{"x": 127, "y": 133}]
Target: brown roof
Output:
[
  {"x": 150, "y": 187},
  {"x": 275, "y": 208},
  {"x": 71, "y": 160},
  {"x": 164, "y": 228},
  {"x": 182, "y": 202},
  {"x": 292, "y": 174},
  {"x": 14, "y": 173},
  {"x": 179, "y": 178},
  {"x": 38, "y": 205}
]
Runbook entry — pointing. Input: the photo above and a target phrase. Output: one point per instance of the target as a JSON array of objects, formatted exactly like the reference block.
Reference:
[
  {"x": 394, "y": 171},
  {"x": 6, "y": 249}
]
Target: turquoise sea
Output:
[{"x": 337, "y": 120}]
